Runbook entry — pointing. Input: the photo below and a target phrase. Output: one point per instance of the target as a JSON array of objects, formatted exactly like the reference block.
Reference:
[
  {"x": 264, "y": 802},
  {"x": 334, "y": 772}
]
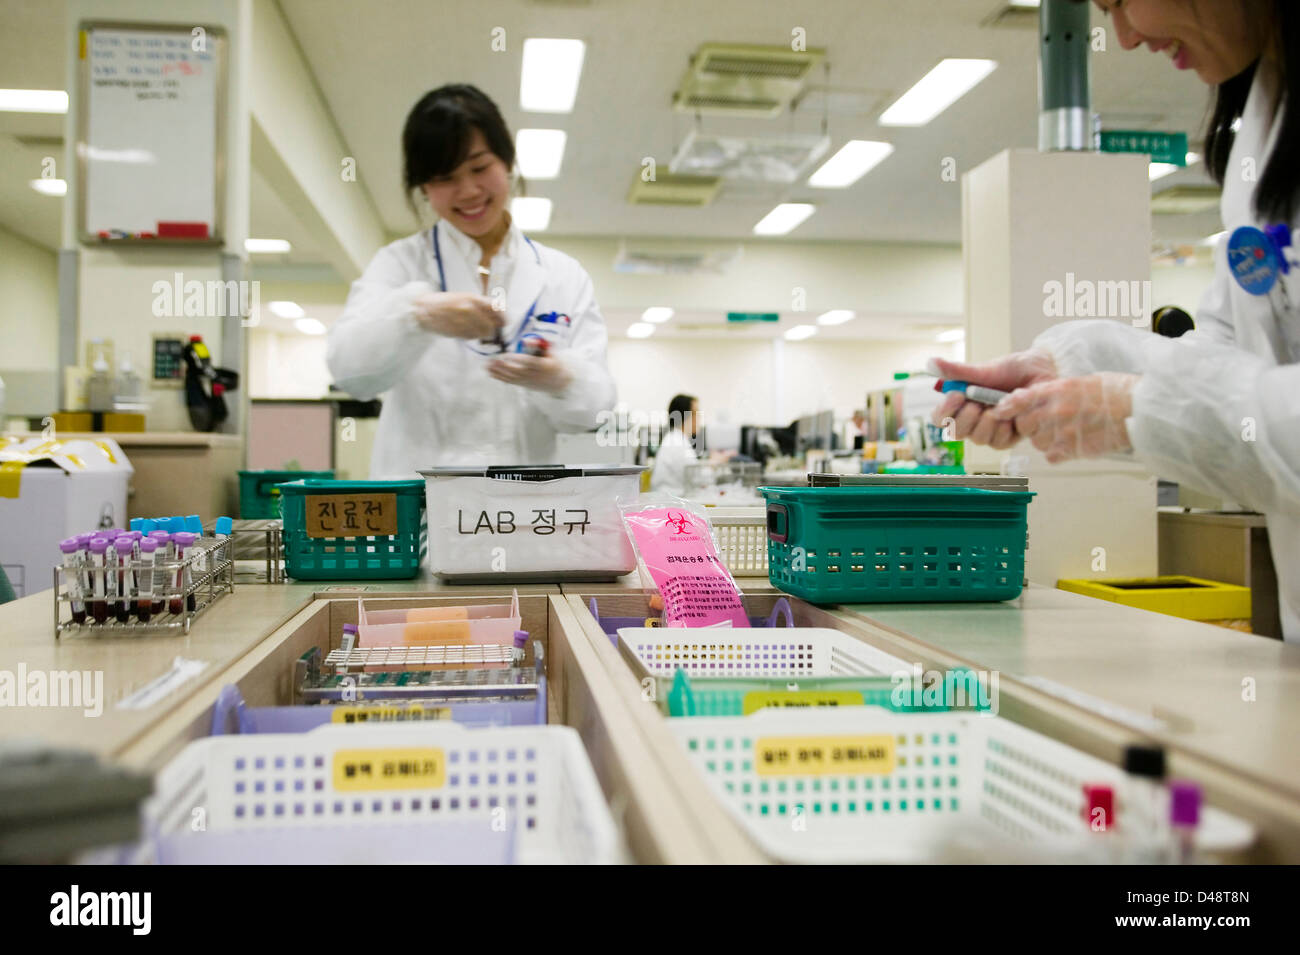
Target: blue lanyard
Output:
[{"x": 442, "y": 284}]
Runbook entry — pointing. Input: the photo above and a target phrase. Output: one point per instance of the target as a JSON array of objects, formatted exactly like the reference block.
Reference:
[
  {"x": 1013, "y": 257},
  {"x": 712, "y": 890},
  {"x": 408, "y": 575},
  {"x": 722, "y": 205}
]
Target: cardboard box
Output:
[{"x": 50, "y": 490}]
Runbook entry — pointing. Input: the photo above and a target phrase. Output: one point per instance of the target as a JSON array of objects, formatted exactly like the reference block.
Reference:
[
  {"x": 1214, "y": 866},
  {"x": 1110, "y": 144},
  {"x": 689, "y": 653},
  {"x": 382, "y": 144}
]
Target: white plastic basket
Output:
[
  {"x": 755, "y": 652},
  {"x": 741, "y": 533},
  {"x": 436, "y": 792},
  {"x": 869, "y": 785}
]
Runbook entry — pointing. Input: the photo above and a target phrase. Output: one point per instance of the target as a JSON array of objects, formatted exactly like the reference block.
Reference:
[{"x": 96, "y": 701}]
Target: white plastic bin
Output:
[{"x": 529, "y": 523}]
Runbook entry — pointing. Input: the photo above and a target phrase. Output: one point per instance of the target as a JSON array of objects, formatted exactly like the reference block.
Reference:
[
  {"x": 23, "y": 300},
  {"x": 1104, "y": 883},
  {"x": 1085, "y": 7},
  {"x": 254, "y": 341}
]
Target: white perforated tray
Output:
[
  {"x": 468, "y": 785},
  {"x": 752, "y": 652},
  {"x": 929, "y": 782}
]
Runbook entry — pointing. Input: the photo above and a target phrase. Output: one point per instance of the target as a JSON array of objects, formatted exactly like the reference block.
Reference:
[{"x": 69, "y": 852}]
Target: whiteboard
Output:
[{"x": 151, "y": 135}]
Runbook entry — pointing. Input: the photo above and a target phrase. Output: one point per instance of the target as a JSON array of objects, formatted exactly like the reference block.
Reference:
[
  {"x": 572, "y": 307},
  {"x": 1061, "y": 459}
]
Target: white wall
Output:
[
  {"x": 286, "y": 366},
  {"x": 29, "y": 305},
  {"x": 1181, "y": 285},
  {"x": 735, "y": 382}
]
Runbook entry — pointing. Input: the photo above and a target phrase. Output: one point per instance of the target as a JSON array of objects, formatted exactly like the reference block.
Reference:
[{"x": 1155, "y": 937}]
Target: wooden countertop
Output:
[
  {"x": 234, "y": 625},
  {"x": 1187, "y": 683},
  {"x": 161, "y": 439}
]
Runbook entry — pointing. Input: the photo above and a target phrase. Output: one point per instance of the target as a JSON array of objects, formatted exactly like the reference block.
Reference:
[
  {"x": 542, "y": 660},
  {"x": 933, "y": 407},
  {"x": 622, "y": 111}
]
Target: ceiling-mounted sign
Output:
[
  {"x": 753, "y": 317},
  {"x": 1168, "y": 148}
]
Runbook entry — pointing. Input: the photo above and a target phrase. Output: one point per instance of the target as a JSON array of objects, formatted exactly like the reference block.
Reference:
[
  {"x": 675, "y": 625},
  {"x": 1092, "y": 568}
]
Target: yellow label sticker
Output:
[
  {"x": 351, "y": 515},
  {"x": 363, "y": 770},
  {"x": 823, "y": 755},
  {"x": 757, "y": 700},
  {"x": 403, "y": 713},
  {"x": 11, "y": 475}
]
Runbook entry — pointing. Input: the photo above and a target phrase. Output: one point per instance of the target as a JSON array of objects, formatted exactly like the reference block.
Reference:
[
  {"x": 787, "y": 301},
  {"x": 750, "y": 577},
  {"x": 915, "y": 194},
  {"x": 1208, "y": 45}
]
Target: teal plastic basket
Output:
[
  {"x": 860, "y": 544},
  {"x": 259, "y": 495},
  {"x": 683, "y": 696},
  {"x": 394, "y": 557}
]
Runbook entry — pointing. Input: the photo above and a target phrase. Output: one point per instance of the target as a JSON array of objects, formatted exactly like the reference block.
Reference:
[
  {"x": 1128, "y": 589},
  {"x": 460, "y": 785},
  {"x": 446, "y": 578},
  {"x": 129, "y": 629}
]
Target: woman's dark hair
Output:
[
  {"x": 435, "y": 139},
  {"x": 1276, "y": 192},
  {"x": 679, "y": 407}
]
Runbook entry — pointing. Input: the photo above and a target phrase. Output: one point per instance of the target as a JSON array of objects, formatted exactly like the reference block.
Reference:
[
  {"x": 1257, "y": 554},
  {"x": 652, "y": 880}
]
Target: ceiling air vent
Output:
[
  {"x": 668, "y": 261},
  {"x": 1185, "y": 200},
  {"x": 765, "y": 159},
  {"x": 743, "y": 80},
  {"x": 671, "y": 189},
  {"x": 1013, "y": 16}
]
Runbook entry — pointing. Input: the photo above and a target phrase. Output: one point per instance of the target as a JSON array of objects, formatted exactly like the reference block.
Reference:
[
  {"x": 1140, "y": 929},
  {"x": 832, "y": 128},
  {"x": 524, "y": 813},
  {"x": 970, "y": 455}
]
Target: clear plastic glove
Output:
[
  {"x": 971, "y": 420},
  {"x": 540, "y": 374},
  {"x": 1073, "y": 417},
  {"x": 458, "y": 315}
]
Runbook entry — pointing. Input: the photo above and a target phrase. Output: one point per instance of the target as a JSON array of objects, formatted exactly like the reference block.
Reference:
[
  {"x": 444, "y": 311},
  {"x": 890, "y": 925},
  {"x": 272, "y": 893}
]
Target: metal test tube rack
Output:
[{"x": 211, "y": 567}]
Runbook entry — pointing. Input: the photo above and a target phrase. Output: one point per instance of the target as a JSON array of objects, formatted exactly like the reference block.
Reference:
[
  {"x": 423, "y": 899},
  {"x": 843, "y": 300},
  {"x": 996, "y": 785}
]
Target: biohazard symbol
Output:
[{"x": 680, "y": 522}]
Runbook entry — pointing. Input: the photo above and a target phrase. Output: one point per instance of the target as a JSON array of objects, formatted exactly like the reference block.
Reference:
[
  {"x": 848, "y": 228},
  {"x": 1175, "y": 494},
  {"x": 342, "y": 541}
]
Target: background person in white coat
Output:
[
  {"x": 1219, "y": 408},
  {"x": 436, "y": 322},
  {"x": 677, "y": 449}
]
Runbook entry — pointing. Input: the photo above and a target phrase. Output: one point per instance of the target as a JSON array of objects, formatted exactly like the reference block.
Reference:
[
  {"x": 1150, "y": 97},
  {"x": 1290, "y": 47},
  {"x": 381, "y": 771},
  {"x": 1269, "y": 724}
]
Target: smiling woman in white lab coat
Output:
[
  {"x": 484, "y": 343},
  {"x": 1219, "y": 408}
]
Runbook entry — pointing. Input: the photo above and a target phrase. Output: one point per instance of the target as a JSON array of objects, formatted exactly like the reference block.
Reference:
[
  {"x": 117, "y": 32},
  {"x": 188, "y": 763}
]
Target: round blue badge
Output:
[{"x": 1255, "y": 260}]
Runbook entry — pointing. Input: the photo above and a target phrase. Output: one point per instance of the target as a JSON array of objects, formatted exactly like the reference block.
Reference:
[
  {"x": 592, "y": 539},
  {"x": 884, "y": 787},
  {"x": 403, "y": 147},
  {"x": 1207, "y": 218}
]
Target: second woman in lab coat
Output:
[
  {"x": 1219, "y": 408},
  {"x": 436, "y": 322}
]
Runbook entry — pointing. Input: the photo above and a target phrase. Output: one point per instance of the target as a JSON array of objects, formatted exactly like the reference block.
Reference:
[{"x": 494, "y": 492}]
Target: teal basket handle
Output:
[{"x": 778, "y": 522}]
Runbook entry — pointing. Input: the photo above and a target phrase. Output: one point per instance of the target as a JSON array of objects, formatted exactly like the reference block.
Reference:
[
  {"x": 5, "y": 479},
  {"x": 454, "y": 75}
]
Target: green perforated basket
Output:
[
  {"x": 860, "y": 544},
  {"x": 375, "y": 557},
  {"x": 259, "y": 495}
]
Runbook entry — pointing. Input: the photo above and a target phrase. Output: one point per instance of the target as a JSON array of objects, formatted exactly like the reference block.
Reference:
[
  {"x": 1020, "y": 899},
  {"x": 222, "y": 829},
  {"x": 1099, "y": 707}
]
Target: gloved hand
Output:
[
  {"x": 540, "y": 374},
  {"x": 458, "y": 315},
  {"x": 1073, "y": 417},
  {"x": 970, "y": 418}
]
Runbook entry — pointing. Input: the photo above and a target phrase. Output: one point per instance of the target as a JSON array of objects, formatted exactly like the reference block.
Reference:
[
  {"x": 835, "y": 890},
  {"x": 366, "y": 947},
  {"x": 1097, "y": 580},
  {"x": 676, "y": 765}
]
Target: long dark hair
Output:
[
  {"x": 435, "y": 139},
  {"x": 1277, "y": 191}
]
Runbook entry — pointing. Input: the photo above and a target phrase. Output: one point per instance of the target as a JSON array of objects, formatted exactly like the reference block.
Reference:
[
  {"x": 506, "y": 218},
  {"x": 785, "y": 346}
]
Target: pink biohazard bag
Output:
[{"x": 675, "y": 549}]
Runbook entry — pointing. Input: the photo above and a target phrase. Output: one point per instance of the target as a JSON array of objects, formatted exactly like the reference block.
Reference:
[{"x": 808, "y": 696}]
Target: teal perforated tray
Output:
[{"x": 896, "y": 544}]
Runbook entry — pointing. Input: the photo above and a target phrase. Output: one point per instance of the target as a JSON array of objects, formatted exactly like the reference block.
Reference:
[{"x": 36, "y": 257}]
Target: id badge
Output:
[{"x": 544, "y": 334}]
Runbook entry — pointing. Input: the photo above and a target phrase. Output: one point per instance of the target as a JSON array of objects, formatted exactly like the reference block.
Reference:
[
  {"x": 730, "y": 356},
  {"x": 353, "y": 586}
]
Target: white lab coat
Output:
[
  {"x": 440, "y": 405},
  {"x": 1219, "y": 408},
  {"x": 675, "y": 455}
]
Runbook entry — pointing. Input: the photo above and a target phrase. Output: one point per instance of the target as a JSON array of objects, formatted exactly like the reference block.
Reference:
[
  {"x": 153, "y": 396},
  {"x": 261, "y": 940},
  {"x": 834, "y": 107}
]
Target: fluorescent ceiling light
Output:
[
  {"x": 1030, "y": 4},
  {"x": 309, "y": 326},
  {"x": 50, "y": 187},
  {"x": 540, "y": 152},
  {"x": 640, "y": 330},
  {"x": 784, "y": 218},
  {"x": 531, "y": 213},
  {"x": 854, "y": 160},
  {"x": 952, "y": 335},
  {"x": 1161, "y": 169},
  {"x": 286, "y": 309},
  {"x": 800, "y": 332},
  {"x": 548, "y": 82},
  {"x": 657, "y": 314},
  {"x": 33, "y": 101},
  {"x": 267, "y": 245},
  {"x": 836, "y": 316},
  {"x": 937, "y": 90}
]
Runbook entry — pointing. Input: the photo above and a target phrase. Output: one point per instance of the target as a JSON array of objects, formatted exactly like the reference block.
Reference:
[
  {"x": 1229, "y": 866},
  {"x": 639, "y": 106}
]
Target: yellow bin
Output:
[{"x": 1191, "y": 598}]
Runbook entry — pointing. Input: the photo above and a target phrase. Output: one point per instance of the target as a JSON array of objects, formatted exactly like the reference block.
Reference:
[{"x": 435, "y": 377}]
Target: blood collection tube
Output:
[
  {"x": 124, "y": 546},
  {"x": 98, "y": 575},
  {"x": 144, "y": 580},
  {"x": 160, "y": 573},
  {"x": 72, "y": 577},
  {"x": 183, "y": 541}
]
